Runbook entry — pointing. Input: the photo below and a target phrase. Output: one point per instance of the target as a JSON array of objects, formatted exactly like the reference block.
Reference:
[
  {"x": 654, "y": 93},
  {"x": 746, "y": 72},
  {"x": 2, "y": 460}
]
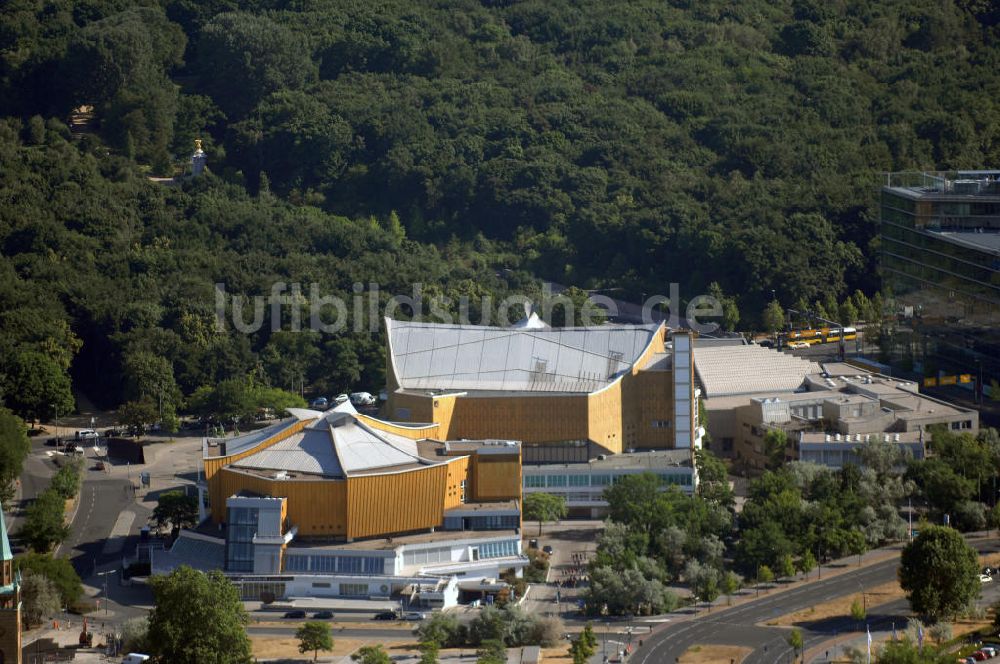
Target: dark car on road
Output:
[
  {"x": 323, "y": 615},
  {"x": 385, "y": 615},
  {"x": 295, "y": 614}
]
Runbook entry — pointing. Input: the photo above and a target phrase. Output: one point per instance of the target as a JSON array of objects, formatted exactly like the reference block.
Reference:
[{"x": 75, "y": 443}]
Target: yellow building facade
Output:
[
  {"x": 606, "y": 389},
  {"x": 348, "y": 476}
]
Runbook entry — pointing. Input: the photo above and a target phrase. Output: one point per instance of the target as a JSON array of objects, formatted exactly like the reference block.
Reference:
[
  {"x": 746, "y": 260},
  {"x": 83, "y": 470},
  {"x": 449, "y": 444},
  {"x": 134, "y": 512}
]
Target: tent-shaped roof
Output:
[
  {"x": 335, "y": 445},
  {"x": 430, "y": 356}
]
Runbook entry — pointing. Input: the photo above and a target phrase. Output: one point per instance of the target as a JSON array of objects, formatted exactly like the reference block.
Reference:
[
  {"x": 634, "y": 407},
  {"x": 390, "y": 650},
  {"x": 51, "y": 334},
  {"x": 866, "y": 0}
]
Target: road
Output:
[{"x": 739, "y": 625}]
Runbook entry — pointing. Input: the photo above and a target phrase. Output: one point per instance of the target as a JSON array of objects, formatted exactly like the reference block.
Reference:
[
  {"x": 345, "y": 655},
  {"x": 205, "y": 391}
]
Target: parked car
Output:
[
  {"x": 319, "y": 402},
  {"x": 362, "y": 399},
  {"x": 766, "y": 343},
  {"x": 414, "y": 615},
  {"x": 113, "y": 432},
  {"x": 979, "y": 656},
  {"x": 985, "y": 578},
  {"x": 295, "y": 614},
  {"x": 386, "y": 615},
  {"x": 86, "y": 434},
  {"x": 323, "y": 615},
  {"x": 798, "y": 344},
  {"x": 341, "y": 398},
  {"x": 547, "y": 549}
]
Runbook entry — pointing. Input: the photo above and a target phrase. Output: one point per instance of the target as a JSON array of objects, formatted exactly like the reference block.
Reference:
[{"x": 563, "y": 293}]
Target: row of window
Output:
[
  {"x": 562, "y": 481},
  {"x": 335, "y": 564},
  {"x": 503, "y": 549}
]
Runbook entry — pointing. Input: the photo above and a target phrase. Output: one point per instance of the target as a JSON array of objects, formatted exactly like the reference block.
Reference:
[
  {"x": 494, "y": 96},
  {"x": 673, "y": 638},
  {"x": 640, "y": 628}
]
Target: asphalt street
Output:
[{"x": 740, "y": 625}]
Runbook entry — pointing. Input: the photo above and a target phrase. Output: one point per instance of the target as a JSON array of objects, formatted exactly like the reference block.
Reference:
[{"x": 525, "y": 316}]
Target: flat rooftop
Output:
[
  {"x": 392, "y": 543},
  {"x": 988, "y": 240},
  {"x": 470, "y": 508},
  {"x": 652, "y": 460}
]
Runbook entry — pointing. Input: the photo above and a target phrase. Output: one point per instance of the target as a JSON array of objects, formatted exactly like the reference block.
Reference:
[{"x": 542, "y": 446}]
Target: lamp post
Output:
[{"x": 106, "y": 597}]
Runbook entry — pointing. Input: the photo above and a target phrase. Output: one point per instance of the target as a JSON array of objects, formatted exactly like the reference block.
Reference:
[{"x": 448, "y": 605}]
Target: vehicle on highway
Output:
[
  {"x": 985, "y": 578},
  {"x": 386, "y": 615},
  {"x": 414, "y": 615},
  {"x": 362, "y": 399},
  {"x": 295, "y": 614},
  {"x": 323, "y": 615},
  {"x": 319, "y": 402}
]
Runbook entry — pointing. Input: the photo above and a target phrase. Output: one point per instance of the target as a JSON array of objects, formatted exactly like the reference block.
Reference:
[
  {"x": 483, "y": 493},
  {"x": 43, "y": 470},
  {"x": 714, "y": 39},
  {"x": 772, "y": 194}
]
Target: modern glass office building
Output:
[{"x": 940, "y": 244}]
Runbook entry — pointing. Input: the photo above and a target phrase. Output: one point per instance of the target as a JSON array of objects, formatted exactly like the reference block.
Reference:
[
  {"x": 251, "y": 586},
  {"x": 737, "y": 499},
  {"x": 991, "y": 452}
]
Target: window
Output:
[
  {"x": 503, "y": 549},
  {"x": 579, "y": 480},
  {"x": 534, "y": 481},
  {"x": 600, "y": 480},
  {"x": 555, "y": 480},
  {"x": 354, "y": 589},
  {"x": 954, "y": 426},
  {"x": 727, "y": 444},
  {"x": 296, "y": 563},
  {"x": 462, "y": 486},
  {"x": 661, "y": 424},
  {"x": 320, "y": 584}
]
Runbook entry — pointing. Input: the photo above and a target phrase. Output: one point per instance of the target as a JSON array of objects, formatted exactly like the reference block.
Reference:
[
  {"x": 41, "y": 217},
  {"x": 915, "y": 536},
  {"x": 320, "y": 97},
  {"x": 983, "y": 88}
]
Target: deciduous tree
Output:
[
  {"x": 314, "y": 636},
  {"x": 939, "y": 572},
  {"x": 197, "y": 618}
]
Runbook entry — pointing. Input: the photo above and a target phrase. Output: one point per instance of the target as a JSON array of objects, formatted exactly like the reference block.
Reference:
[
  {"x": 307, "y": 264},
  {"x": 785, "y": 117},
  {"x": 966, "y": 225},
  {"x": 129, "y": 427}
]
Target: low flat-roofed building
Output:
[
  {"x": 837, "y": 450},
  {"x": 837, "y": 403},
  {"x": 583, "y": 484}
]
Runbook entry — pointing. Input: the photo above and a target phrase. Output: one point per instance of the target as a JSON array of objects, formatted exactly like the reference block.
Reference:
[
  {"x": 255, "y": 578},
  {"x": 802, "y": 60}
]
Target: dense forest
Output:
[{"x": 475, "y": 147}]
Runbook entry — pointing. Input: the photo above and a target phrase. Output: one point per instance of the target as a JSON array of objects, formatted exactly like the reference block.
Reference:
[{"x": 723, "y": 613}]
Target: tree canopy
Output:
[
  {"x": 197, "y": 618},
  {"x": 939, "y": 572}
]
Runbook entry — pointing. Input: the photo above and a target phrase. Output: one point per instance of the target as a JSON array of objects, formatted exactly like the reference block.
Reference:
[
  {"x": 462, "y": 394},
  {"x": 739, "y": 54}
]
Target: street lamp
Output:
[{"x": 106, "y": 597}]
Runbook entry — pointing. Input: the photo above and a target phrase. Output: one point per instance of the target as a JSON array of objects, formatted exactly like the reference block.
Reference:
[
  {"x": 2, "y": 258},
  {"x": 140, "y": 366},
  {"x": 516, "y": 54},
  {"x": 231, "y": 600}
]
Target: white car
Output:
[
  {"x": 985, "y": 578},
  {"x": 798, "y": 344},
  {"x": 86, "y": 434},
  {"x": 414, "y": 615},
  {"x": 340, "y": 398},
  {"x": 362, "y": 399}
]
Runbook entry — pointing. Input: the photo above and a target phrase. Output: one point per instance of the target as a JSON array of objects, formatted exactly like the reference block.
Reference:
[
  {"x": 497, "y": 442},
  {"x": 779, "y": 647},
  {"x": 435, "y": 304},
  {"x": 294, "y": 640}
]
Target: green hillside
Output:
[{"x": 605, "y": 145}]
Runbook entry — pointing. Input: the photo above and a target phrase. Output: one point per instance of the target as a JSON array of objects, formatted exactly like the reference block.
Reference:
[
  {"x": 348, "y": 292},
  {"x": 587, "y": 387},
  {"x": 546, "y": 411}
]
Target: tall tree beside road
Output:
[
  {"x": 795, "y": 642},
  {"x": 774, "y": 317},
  {"x": 197, "y": 618},
  {"x": 177, "y": 509},
  {"x": 41, "y": 598},
  {"x": 313, "y": 637},
  {"x": 14, "y": 448},
  {"x": 43, "y": 525},
  {"x": 939, "y": 572},
  {"x": 543, "y": 507},
  {"x": 38, "y": 388}
]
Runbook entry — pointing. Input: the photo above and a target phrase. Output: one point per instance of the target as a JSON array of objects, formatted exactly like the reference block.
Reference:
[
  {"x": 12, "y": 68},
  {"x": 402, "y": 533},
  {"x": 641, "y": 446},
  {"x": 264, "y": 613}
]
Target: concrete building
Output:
[
  {"x": 770, "y": 390},
  {"x": 836, "y": 450},
  {"x": 940, "y": 263},
  {"x": 583, "y": 484}
]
